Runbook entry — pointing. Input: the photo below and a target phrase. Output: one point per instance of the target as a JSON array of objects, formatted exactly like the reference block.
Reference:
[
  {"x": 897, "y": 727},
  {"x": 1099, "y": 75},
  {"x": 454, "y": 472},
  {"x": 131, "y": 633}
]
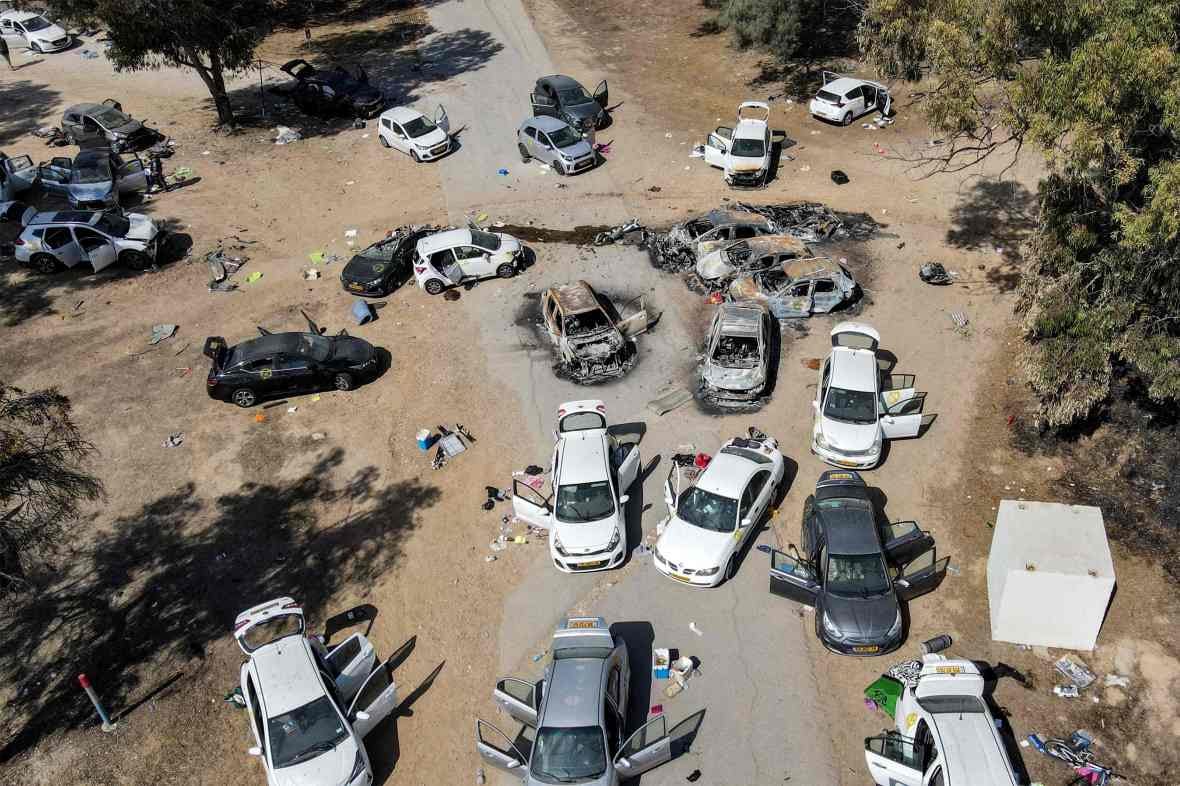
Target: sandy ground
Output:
[{"x": 247, "y": 510}]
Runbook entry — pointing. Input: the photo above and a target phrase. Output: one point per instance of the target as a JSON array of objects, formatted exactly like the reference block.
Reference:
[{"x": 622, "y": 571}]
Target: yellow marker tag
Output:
[{"x": 910, "y": 720}]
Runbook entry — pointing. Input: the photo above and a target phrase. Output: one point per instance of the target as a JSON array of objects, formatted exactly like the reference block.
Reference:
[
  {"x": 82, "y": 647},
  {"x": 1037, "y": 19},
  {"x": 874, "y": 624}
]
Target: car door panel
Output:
[
  {"x": 101, "y": 256},
  {"x": 377, "y": 698},
  {"x": 637, "y": 323},
  {"x": 475, "y": 262},
  {"x": 901, "y": 426},
  {"x": 716, "y": 149},
  {"x": 351, "y": 662},
  {"x": 22, "y": 173},
  {"x": 628, "y": 469},
  {"x": 543, "y": 105},
  {"x": 904, "y": 540},
  {"x": 791, "y": 578},
  {"x": 602, "y": 94},
  {"x": 649, "y": 747},
  {"x": 53, "y": 178},
  {"x": 496, "y": 749},
  {"x": 921, "y": 575},
  {"x": 531, "y": 506},
  {"x": 893, "y": 761},
  {"x": 672, "y": 486},
  {"x": 518, "y": 698},
  {"x": 132, "y": 176},
  {"x": 60, "y": 242},
  {"x": 797, "y": 302},
  {"x": 441, "y": 120}
]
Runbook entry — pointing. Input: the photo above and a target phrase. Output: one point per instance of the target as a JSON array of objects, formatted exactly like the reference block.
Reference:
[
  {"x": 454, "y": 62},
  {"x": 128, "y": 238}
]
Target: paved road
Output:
[{"x": 756, "y": 687}]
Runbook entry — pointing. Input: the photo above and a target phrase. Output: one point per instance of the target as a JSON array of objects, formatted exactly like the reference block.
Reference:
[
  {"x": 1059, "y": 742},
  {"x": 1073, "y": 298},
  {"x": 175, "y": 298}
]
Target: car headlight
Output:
[
  {"x": 708, "y": 571},
  {"x": 557, "y": 545},
  {"x": 358, "y": 767},
  {"x": 614, "y": 540},
  {"x": 831, "y": 629},
  {"x": 895, "y": 628}
]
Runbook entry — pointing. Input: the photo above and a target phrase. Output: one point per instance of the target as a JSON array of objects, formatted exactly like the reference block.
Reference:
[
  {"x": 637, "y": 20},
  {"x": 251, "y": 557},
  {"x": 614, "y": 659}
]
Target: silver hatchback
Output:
[{"x": 555, "y": 142}]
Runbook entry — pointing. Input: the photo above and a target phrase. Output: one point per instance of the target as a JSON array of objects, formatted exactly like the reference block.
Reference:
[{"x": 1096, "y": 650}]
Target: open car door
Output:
[
  {"x": 602, "y": 94},
  {"x": 635, "y": 324},
  {"x": 894, "y": 760},
  {"x": 628, "y": 469},
  {"x": 904, "y": 540},
  {"x": 649, "y": 747},
  {"x": 132, "y": 176},
  {"x": 672, "y": 487},
  {"x": 717, "y": 145},
  {"x": 311, "y": 325},
  {"x": 20, "y": 174},
  {"x": 100, "y": 254},
  {"x": 496, "y": 749},
  {"x": 297, "y": 68},
  {"x": 531, "y": 506},
  {"x": 350, "y": 662},
  {"x": 791, "y": 578},
  {"x": 795, "y": 302},
  {"x": 901, "y": 426},
  {"x": 375, "y": 701},
  {"x": 518, "y": 698},
  {"x": 920, "y": 575},
  {"x": 441, "y": 120},
  {"x": 543, "y": 105},
  {"x": 754, "y": 110},
  {"x": 55, "y": 175}
]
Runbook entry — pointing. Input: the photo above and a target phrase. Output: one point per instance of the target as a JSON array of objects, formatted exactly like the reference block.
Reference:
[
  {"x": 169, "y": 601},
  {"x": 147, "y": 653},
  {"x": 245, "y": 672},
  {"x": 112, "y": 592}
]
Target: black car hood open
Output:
[
  {"x": 586, "y": 111},
  {"x": 864, "y": 619},
  {"x": 351, "y": 351}
]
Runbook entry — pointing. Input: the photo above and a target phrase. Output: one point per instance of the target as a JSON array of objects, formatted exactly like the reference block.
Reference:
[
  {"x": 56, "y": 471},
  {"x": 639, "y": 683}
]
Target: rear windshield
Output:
[
  {"x": 273, "y": 629},
  {"x": 488, "y": 241},
  {"x": 946, "y": 705},
  {"x": 831, "y": 98},
  {"x": 570, "y": 653}
]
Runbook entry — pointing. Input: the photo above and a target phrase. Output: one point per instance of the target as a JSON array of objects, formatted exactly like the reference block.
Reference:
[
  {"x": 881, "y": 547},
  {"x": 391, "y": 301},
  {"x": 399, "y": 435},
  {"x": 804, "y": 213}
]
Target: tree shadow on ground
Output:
[
  {"x": 23, "y": 103},
  {"x": 312, "y": 13},
  {"x": 157, "y": 588},
  {"x": 995, "y": 214}
]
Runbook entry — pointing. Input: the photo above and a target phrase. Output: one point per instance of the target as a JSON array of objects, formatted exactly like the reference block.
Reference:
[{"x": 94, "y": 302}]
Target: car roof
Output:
[
  {"x": 842, "y": 85},
  {"x": 267, "y": 345},
  {"x": 583, "y": 457},
  {"x": 575, "y": 298},
  {"x": 19, "y": 15},
  {"x": 726, "y": 475},
  {"x": 850, "y": 529},
  {"x": 775, "y": 244},
  {"x": 722, "y": 217},
  {"x": 750, "y": 129},
  {"x": 854, "y": 369},
  {"x": 66, "y": 217},
  {"x": 741, "y": 319},
  {"x": 575, "y": 691},
  {"x": 977, "y": 756},
  {"x": 401, "y": 114},
  {"x": 287, "y": 674},
  {"x": 87, "y": 108},
  {"x": 559, "y": 81},
  {"x": 547, "y": 123},
  {"x": 446, "y": 239}
]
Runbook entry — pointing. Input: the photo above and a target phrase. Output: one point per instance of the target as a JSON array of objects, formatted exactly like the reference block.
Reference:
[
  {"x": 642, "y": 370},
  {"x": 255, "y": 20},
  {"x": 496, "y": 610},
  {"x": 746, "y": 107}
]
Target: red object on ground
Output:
[
  {"x": 715, "y": 298},
  {"x": 83, "y": 680},
  {"x": 702, "y": 460}
]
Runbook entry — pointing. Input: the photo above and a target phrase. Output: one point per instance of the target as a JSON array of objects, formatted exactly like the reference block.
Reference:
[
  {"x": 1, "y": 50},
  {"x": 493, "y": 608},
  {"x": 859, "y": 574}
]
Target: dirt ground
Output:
[{"x": 334, "y": 504}]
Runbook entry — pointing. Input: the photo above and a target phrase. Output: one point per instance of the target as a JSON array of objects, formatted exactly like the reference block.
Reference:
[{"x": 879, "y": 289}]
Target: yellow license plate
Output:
[
  {"x": 678, "y": 577},
  {"x": 846, "y": 463},
  {"x": 583, "y": 623},
  {"x": 596, "y": 564},
  {"x": 949, "y": 669},
  {"x": 872, "y": 648}
]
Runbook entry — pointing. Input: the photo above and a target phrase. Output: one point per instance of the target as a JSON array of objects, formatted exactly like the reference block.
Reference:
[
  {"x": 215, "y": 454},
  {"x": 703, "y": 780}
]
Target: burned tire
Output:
[
  {"x": 524, "y": 154},
  {"x": 847, "y": 119},
  {"x": 244, "y": 397},
  {"x": 342, "y": 381},
  {"x": 506, "y": 270},
  {"x": 434, "y": 286},
  {"x": 45, "y": 263},
  {"x": 135, "y": 260}
]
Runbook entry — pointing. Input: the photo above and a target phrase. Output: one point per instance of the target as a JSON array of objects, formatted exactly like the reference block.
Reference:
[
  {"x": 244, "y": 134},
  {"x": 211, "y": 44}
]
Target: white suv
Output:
[
  {"x": 66, "y": 238},
  {"x": 591, "y": 473},
  {"x": 743, "y": 152},
  {"x": 310, "y": 708}
]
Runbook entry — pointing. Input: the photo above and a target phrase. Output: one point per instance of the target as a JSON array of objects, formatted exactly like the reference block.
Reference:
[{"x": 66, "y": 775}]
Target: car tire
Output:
[
  {"x": 434, "y": 286},
  {"x": 244, "y": 397},
  {"x": 506, "y": 270},
  {"x": 384, "y": 142},
  {"x": 342, "y": 381},
  {"x": 414, "y": 155},
  {"x": 524, "y": 154},
  {"x": 847, "y": 119},
  {"x": 558, "y": 169},
  {"x": 136, "y": 260},
  {"x": 731, "y": 569},
  {"x": 45, "y": 263}
]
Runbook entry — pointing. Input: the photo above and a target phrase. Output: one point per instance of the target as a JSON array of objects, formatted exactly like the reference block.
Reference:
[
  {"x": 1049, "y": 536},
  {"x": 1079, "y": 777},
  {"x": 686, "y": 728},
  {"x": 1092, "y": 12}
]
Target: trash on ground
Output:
[
  {"x": 350, "y": 233},
  {"x": 502, "y": 172},
  {"x": 162, "y": 332},
  {"x": 254, "y": 277},
  {"x": 669, "y": 400},
  {"x": 292, "y": 410},
  {"x": 960, "y": 320},
  {"x": 661, "y": 660},
  {"x": 839, "y": 177},
  {"x": 311, "y": 274},
  {"x": 362, "y": 310},
  {"x": 934, "y": 273},
  {"x": 450, "y": 445},
  {"x": 317, "y": 257},
  {"x": 693, "y": 627},
  {"x": 174, "y": 440},
  {"x": 318, "y": 435},
  {"x": 884, "y": 693},
  {"x": 1075, "y": 671},
  {"x": 1117, "y": 681},
  {"x": 285, "y": 135}
]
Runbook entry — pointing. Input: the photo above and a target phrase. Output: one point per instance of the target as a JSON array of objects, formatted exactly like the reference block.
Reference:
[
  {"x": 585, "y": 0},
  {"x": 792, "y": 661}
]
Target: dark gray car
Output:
[
  {"x": 556, "y": 143},
  {"x": 855, "y": 568},
  {"x": 106, "y": 125},
  {"x": 564, "y": 97},
  {"x": 94, "y": 179}
]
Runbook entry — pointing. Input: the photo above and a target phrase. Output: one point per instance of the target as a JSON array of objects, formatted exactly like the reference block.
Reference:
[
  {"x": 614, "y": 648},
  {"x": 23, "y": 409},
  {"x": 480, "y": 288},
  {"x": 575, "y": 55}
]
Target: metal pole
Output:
[
  {"x": 261, "y": 92},
  {"x": 84, "y": 681}
]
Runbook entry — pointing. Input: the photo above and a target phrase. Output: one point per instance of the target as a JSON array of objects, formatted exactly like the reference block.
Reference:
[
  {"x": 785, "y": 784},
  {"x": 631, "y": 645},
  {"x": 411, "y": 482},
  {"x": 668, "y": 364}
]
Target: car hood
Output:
[
  {"x": 586, "y": 111},
  {"x": 591, "y": 536},
  {"x": 579, "y": 149},
  {"x": 330, "y": 767},
  {"x": 746, "y": 164},
  {"x": 435, "y": 137},
  {"x": 509, "y": 247},
  {"x": 351, "y": 350},
  {"x": 862, "y": 618},
  {"x": 849, "y": 436},
  {"x": 365, "y": 269},
  {"x": 142, "y": 227},
  {"x": 732, "y": 378},
  {"x": 712, "y": 266},
  {"x": 690, "y": 546},
  {"x": 51, "y": 33},
  {"x": 127, "y": 129},
  {"x": 89, "y": 192}
]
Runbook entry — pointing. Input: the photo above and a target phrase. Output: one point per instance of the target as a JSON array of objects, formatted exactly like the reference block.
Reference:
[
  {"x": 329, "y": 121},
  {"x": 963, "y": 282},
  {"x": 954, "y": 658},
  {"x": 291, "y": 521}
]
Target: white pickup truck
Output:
[
  {"x": 743, "y": 152},
  {"x": 945, "y": 734}
]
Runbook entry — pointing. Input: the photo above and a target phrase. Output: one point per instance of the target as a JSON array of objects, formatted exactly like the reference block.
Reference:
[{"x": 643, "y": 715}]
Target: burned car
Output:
[
  {"x": 719, "y": 228},
  {"x": 382, "y": 267},
  {"x": 333, "y": 91},
  {"x": 799, "y": 288},
  {"x": 593, "y": 343},
  {"x": 754, "y": 255},
  {"x": 735, "y": 365},
  {"x": 106, "y": 125}
]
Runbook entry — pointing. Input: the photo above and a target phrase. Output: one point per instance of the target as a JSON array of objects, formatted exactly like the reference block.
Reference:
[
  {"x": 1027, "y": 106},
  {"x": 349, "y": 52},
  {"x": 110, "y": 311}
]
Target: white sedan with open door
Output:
[
  {"x": 589, "y": 478},
  {"x": 310, "y": 707},
  {"x": 413, "y": 133},
  {"x": 858, "y": 404}
]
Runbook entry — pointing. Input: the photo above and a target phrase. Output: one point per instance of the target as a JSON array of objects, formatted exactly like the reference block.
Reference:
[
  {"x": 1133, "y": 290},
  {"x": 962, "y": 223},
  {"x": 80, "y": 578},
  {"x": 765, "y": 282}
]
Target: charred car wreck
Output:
[
  {"x": 333, "y": 90},
  {"x": 735, "y": 365},
  {"x": 756, "y": 255},
  {"x": 593, "y": 344},
  {"x": 798, "y": 288}
]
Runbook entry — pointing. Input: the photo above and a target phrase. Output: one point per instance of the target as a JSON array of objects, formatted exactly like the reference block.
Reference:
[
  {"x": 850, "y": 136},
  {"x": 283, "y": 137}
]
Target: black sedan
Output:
[
  {"x": 855, "y": 568},
  {"x": 564, "y": 97},
  {"x": 277, "y": 364},
  {"x": 333, "y": 90},
  {"x": 385, "y": 265}
]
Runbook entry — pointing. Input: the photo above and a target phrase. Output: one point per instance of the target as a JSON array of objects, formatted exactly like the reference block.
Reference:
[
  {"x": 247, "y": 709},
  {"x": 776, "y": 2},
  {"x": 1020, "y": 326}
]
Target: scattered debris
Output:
[
  {"x": 254, "y": 277},
  {"x": 838, "y": 177},
  {"x": 669, "y": 400},
  {"x": 161, "y": 333},
  {"x": 960, "y": 320},
  {"x": 1075, "y": 671},
  {"x": 284, "y": 136},
  {"x": 1117, "y": 681},
  {"x": 174, "y": 440},
  {"x": 693, "y": 627},
  {"x": 311, "y": 274},
  {"x": 934, "y": 273}
]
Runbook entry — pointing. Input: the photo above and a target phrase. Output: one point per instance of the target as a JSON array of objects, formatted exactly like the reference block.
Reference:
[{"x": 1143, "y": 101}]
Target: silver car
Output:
[
  {"x": 579, "y": 712},
  {"x": 94, "y": 179},
  {"x": 735, "y": 365},
  {"x": 556, "y": 143}
]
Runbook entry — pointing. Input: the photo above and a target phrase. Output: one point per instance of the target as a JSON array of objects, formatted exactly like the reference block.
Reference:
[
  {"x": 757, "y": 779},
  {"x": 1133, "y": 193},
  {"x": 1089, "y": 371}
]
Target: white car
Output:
[
  {"x": 743, "y": 152},
  {"x": 66, "y": 238},
  {"x": 412, "y": 132},
  {"x": 710, "y": 521},
  {"x": 842, "y": 99},
  {"x": 858, "y": 406},
  {"x": 454, "y": 256},
  {"x": 25, "y": 29},
  {"x": 307, "y": 731},
  {"x": 590, "y": 475}
]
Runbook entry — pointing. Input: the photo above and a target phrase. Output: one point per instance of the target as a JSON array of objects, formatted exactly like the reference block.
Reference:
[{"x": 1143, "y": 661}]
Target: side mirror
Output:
[
  {"x": 624, "y": 761},
  {"x": 361, "y": 715},
  {"x": 815, "y": 405},
  {"x": 902, "y": 583},
  {"x": 255, "y": 751},
  {"x": 624, "y": 499}
]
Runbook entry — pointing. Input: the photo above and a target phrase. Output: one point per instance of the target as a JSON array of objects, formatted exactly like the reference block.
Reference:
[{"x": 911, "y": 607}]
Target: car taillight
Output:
[
  {"x": 601, "y": 408},
  {"x": 560, "y": 412},
  {"x": 419, "y": 269},
  {"x": 18, "y": 242},
  {"x": 291, "y": 605},
  {"x": 241, "y": 625}
]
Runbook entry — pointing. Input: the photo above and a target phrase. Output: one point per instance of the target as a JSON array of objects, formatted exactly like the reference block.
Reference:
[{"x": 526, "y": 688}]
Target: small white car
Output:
[
  {"x": 590, "y": 475},
  {"x": 454, "y": 256},
  {"x": 858, "y": 406},
  {"x": 412, "y": 132},
  {"x": 310, "y": 708},
  {"x": 842, "y": 99},
  {"x": 709, "y": 522},
  {"x": 946, "y": 734},
  {"x": 25, "y": 29},
  {"x": 743, "y": 152},
  {"x": 67, "y": 238}
]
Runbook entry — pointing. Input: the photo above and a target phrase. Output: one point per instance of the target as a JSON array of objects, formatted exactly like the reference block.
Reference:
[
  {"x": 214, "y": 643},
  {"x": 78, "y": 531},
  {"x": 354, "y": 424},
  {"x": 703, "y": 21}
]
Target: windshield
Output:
[
  {"x": 488, "y": 241},
  {"x": 573, "y": 95},
  {"x": 564, "y": 137},
  {"x": 582, "y": 502},
  {"x": 33, "y": 24},
  {"x": 419, "y": 126},
  {"x": 113, "y": 224},
  {"x": 736, "y": 352},
  {"x": 857, "y": 574},
  {"x": 94, "y": 170},
  {"x": 707, "y": 510},
  {"x": 748, "y": 148},
  {"x": 315, "y": 347},
  {"x": 110, "y": 118},
  {"x": 272, "y": 629},
  {"x": 851, "y": 406},
  {"x": 948, "y": 705},
  {"x": 305, "y": 733},
  {"x": 586, "y": 323},
  {"x": 562, "y": 755}
]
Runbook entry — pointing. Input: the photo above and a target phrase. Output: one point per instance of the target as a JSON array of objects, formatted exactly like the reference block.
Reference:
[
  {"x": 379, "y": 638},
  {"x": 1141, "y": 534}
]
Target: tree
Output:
[
  {"x": 1094, "y": 86},
  {"x": 42, "y": 484},
  {"x": 211, "y": 37},
  {"x": 789, "y": 29}
]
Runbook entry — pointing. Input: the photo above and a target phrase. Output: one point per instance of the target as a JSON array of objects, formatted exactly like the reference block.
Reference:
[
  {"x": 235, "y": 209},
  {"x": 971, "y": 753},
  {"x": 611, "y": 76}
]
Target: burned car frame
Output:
[
  {"x": 799, "y": 288},
  {"x": 593, "y": 344},
  {"x": 754, "y": 255},
  {"x": 735, "y": 364},
  {"x": 720, "y": 227},
  {"x": 333, "y": 90}
]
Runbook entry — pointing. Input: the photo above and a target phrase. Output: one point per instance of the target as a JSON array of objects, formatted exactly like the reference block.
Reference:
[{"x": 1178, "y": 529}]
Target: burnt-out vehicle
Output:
[
  {"x": 333, "y": 91},
  {"x": 718, "y": 228},
  {"x": 735, "y": 366},
  {"x": 798, "y": 288},
  {"x": 593, "y": 342},
  {"x": 755, "y": 255},
  {"x": 384, "y": 266}
]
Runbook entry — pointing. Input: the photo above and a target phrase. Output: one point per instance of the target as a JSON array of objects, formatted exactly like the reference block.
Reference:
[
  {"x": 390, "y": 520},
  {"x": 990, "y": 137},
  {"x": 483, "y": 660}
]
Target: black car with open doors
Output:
[{"x": 564, "y": 97}]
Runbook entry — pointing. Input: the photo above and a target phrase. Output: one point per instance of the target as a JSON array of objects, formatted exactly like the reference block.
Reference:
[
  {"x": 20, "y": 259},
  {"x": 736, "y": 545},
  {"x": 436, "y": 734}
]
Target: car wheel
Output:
[
  {"x": 342, "y": 381},
  {"x": 730, "y": 569},
  {"x": 847, "y": 119},
  {"x": 44, "y": 263},
  {"x": 434, "y": 286},
  {"x": 524, "y": 154},
  {"x": 244, "y": 398},
  {"x": 557, "y": 168},
  {"x": 35, "y": 47},
  {"x": 414, "y": 155},
  {"x": 384, "y": 142},
  {"x": 506, "y": 270},
  {"x": 135, "y": 260}
]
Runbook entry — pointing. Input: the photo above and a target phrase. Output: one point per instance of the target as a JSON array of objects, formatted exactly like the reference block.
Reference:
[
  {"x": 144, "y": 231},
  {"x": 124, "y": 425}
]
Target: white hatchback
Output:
[
  {"x": 456, "y": 256},
  {"x": 842, "y": 99},
  {"x": 413, "y": 133},
  {"x": 590, "y": 475}
]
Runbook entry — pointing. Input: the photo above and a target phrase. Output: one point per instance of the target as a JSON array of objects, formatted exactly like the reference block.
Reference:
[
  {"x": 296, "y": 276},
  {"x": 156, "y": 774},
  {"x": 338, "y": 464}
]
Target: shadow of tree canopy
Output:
[
  {"x": 326, "y": 12},
  {"x": 23, "y": 103},
  {"x": 159, "y": 587},
  {"x": 993, "y": 214}
]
